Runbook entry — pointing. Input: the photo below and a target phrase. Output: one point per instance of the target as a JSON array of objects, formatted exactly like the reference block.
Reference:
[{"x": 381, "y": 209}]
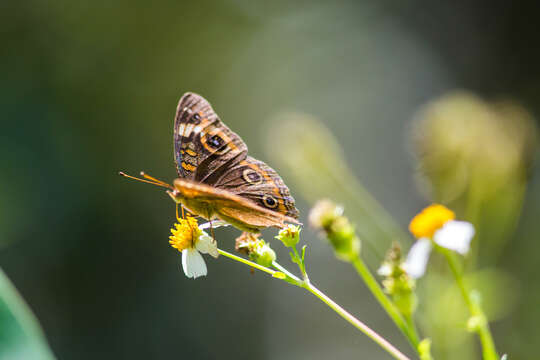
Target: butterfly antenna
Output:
[
  {"x": 153, "y": 182},
  {"x": 146, "y": 176}
]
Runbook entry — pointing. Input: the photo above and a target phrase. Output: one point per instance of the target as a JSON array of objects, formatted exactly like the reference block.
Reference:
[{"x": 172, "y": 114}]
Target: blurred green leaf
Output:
[{"x": 21, "y": 336}]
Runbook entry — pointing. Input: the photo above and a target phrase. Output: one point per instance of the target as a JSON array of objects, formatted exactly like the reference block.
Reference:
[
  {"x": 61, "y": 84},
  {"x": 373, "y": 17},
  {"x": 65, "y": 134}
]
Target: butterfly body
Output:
[
  {"x": 210, "y": 203},
  {"x": 217, "y": 179}
]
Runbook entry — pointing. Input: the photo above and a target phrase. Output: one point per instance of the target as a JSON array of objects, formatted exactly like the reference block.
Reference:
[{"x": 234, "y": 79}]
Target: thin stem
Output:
[
  {"x": 290, "y": 278},
  {"x": 412, "y": 326},
  {"x": 486, "y": 339},
  {"x": 472, "y": 214},
  {"x": 301, "y": 264},
  {"x": 407, "y": 328},
  {"x": 355, "y": 322},
  {"x": 247, "y": 262},
  {"x": 286, "y": 272}
]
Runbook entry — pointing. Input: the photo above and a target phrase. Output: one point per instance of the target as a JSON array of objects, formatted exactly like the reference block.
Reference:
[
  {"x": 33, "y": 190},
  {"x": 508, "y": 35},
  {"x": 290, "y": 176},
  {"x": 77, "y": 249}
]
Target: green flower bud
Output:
[
  {"x": 290, "y": 236},
  {"x": 475, "y": 323},
  {"x": 324, "y": 213},
  {"x": 343, "y": 238},
  {"x": 327, "y": 217},
  {"x": 262, "y": 254},
  {"x": 406, "y": 301},
  {"x": 397, "y": 283},
  {"x": 424, "y": 349},
  {"x": 257, "y": 249}
]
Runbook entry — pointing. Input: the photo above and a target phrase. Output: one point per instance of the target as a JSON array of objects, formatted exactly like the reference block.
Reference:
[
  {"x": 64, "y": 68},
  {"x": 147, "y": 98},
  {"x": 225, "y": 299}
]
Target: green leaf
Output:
[{"x": 21, "y": 336}]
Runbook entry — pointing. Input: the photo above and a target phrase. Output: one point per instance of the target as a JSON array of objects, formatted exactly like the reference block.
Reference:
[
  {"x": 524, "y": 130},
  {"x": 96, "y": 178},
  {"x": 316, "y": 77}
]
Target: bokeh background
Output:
[{"x": 90, "y": 88}]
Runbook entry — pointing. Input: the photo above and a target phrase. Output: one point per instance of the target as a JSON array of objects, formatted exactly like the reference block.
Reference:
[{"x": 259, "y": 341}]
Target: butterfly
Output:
[{"x": 217, "y": 177}]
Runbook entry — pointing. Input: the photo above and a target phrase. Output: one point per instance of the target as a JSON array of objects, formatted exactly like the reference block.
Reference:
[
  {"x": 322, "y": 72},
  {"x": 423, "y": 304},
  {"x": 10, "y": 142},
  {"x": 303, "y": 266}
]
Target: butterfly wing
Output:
[
  {"x": 242, "y": 213},
  {"x": 203, "y": 146},
  {"x": 254, "y": 180},
  {"x": 207, "y": 151}
]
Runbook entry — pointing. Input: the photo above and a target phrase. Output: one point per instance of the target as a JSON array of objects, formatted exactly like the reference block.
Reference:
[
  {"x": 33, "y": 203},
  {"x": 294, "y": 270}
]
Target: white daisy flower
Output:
[
  {"x": 436, "y": 223},
  {"x": 188, "y": 238}
]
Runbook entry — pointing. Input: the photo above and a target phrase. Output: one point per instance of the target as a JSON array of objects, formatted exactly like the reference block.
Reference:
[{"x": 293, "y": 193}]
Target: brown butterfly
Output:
[{"x": 217, "y": 178}]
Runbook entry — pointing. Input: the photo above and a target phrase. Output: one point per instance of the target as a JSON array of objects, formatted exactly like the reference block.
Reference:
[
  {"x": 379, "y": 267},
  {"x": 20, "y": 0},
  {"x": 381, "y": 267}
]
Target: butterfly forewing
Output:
[{"x": 203, "y": 146}]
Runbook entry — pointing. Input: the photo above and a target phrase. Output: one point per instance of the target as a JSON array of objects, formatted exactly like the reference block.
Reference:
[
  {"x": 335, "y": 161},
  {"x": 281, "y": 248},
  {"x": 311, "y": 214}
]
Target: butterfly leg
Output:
[
  {"x": 212, "y": 230},
  {"x": 182, "y": 210}
]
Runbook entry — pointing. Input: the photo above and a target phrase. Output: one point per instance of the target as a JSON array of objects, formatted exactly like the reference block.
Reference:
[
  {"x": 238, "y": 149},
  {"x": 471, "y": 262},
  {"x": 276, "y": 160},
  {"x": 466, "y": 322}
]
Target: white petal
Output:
[
  {"x": 193, "y": 263},
  {"x": 385, "y": 270},
  {"x": 455, "y": 235},
  {"x": 417, "y": 258},
  {"x": 215, "y": 224},
  {"x": 207, "y": 245}
]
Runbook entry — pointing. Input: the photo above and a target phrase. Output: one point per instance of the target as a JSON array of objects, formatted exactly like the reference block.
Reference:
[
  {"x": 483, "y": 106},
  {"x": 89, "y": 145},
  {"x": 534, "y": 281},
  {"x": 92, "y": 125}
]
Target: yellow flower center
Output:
[
  {"x": 430, "y": 220},
  {"x": 185, "y": 233}
]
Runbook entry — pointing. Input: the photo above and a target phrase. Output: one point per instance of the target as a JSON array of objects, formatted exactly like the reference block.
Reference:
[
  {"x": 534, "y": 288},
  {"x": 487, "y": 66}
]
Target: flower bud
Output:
[
  {"x": 424, "y": 349},
  {"x": 257, "y": 249},
  {"x": 324, "y": 213},
  {"x": 327, "y": 217},
  {"x": 397, "y": 283},
  {"x": 475, "y": 323},
  {"x": 290, "y": 235},
  {"x": 262, "y": 254}
]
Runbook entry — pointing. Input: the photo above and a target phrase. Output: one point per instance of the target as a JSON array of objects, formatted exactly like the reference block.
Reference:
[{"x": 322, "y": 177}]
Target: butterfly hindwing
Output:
[{"x": 254, "y": 180}]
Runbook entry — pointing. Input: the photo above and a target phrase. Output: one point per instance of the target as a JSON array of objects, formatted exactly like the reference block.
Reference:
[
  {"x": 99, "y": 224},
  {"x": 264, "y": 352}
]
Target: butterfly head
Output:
[{"x": 176, "y": 195}]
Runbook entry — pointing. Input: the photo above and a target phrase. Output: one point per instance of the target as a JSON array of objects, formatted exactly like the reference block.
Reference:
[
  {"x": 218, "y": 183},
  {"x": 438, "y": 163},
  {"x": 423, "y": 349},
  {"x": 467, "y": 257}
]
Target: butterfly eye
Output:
[
  {"x": 251, "y": 176},
  {"x": 196, "y": 117},
  {"x": 270, "y": 201}
]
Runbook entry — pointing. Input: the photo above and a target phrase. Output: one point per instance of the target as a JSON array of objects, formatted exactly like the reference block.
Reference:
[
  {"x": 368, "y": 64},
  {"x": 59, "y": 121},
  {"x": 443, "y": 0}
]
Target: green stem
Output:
[
  {"x": 250, "y": 263},
  {"x": 486, "y": 339},
  {"x": 319, "y": 294},
  {"x": 412, "y": 326},
  {"x": 286, "y": 272},
  {"x": 301, "y": 264},
  {"x": 472, "y": 214},
  {"x": 355, "y": 322},
  {"x": 407, "y": 328}
]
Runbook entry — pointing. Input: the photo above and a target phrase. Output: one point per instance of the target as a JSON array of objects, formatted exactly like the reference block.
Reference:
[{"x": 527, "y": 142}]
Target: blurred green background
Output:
[{"x": 90, "y": 88}]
